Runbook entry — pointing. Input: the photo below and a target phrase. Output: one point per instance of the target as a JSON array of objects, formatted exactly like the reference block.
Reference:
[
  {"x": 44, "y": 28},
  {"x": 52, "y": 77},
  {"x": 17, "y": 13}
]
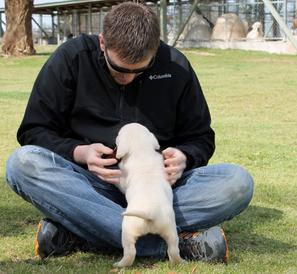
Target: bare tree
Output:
[{"x": 17, "y": 40}]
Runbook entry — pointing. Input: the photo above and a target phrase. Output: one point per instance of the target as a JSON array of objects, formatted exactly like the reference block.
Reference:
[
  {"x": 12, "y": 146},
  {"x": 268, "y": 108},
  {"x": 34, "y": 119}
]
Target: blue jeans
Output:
[{"x": 92, "y": 208}]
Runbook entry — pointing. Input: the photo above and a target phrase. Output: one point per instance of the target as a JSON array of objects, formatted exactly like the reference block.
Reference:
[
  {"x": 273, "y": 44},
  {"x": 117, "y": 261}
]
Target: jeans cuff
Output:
[{"x": 163, "y": 250}]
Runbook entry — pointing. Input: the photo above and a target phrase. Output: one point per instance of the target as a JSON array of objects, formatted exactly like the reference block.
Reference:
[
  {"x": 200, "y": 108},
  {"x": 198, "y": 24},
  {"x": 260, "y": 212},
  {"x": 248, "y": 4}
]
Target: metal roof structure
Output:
[
  {"x": 65, "y": 6},
  {"x": 77, "y": 15},
  {"x": 70, "y": 5}
]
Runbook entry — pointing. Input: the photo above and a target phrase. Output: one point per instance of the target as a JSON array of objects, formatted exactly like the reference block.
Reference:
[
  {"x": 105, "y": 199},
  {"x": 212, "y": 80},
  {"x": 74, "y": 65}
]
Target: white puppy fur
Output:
[{"x": 148, "y": 193}]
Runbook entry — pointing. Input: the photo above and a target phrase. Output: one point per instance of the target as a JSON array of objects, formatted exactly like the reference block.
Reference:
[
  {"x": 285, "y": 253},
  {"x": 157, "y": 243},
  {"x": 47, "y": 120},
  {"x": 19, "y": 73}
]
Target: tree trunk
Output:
[{"x": 17, "y": 40}]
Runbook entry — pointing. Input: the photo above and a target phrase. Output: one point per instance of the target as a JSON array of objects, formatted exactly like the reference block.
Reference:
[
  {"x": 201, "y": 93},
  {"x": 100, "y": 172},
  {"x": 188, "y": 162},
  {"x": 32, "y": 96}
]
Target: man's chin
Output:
[{"x": 122, "y": 82}]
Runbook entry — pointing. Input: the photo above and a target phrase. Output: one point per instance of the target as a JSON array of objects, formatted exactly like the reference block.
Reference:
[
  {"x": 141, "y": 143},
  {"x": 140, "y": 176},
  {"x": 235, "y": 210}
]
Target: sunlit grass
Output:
[{"x": 252, "y": 97}]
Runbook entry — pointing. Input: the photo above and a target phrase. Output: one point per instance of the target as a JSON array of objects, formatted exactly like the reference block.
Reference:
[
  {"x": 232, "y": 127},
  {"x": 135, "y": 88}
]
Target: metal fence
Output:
[
  {"x": 182, "y": 20},
  {"x": 248, "y": 11}
]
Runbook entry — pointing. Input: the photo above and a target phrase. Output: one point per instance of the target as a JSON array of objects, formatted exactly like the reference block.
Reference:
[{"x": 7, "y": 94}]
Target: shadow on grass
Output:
[
  {"x": 16, "y": 218},
  {"x": 243, "y": 238},
  {"x": 15, "y": 214},
  {"x": 76, "y": 263},
  {"x": 44, "y": 53}
]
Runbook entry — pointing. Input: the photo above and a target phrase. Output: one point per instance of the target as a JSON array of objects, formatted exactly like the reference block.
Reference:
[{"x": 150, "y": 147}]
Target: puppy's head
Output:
[{"x": 134, "y": 137}]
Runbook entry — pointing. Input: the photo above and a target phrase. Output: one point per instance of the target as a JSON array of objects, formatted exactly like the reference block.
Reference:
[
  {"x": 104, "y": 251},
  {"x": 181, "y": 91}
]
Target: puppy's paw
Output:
[
  {"x": 180, "y": 261},
  {"x": 176, "y": 260},
  {"x": 121, "y": 264},
  {"x": 118, "y": 264}
]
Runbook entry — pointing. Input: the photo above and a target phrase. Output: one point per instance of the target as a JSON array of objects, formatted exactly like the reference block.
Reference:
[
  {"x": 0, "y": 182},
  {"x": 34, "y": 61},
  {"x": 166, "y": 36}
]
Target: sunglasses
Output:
[{"x": 125, "y": 70}]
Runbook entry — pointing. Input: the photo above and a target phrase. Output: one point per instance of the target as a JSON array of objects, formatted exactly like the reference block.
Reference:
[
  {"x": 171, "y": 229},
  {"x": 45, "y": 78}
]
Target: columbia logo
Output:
[{"x": 160, "y": 76}]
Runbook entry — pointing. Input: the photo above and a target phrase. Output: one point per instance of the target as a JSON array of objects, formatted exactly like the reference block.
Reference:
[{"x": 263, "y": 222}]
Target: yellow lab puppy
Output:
[{"x": 148, "y": 193}]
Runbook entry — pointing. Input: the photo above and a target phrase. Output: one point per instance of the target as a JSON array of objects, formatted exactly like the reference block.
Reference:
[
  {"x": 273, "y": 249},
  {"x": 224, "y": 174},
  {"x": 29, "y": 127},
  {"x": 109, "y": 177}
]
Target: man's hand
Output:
[
  {"x": 175, "y": 163},
  {"x": 91, "y": 155}
]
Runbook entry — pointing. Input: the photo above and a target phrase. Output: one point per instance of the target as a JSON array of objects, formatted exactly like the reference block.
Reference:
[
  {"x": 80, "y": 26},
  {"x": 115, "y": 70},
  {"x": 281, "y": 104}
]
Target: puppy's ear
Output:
[
  {"x": 122, "y": 147},
  {"x": 154, "y": 141}
]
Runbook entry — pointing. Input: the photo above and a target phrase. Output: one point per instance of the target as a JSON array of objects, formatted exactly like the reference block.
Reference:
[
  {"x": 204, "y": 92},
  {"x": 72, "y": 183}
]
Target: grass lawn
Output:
[{"x": 253, "y": 100}]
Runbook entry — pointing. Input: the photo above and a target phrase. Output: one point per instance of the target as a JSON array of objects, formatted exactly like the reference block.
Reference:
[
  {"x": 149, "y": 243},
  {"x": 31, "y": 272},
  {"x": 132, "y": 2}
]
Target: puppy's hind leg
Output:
[
  {"x": 128, "y": 242},
  {"x": 171, "y": 238}
]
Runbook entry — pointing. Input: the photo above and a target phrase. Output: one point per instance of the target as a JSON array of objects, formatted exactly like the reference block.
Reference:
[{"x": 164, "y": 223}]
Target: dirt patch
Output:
[{"x": 200, "y": 53}]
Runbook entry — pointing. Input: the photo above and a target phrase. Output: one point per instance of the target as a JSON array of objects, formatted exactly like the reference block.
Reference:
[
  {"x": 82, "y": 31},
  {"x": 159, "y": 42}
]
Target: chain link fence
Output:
[{"x": 208, "y": 14}]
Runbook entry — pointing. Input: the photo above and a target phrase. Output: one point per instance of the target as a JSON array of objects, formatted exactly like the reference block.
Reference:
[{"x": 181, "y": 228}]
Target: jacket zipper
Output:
[
  {"x": 121, "y": 106},
  {"x": 136, "y": 111},
  {"x": 122, "y": 94}
]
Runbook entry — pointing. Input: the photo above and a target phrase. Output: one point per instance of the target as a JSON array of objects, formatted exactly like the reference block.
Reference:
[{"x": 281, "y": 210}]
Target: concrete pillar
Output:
[
  {"x": 64, "y": 27},
  {"x": 74, "y": 23},
  {"x": 163, "y": 20},
  {"x": 58, "y": 28},
  {"x": 100, "y": 21},
  {"x": 90, "y": 31}
]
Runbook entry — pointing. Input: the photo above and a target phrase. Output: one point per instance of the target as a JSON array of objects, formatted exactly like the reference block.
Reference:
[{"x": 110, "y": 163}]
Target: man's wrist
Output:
[
  {"x": 189, "y": 161},
  {"x": 79, "y": 154}
]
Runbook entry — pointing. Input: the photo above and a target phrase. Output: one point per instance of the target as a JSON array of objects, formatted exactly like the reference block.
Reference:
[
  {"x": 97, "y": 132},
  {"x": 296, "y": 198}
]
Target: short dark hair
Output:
[{"x": 132, "y": 30}]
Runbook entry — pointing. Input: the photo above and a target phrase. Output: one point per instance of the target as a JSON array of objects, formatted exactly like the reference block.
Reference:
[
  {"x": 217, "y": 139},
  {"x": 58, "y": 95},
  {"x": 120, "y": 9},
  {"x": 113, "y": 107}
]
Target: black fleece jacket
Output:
[{"x": 75, "y": 101}]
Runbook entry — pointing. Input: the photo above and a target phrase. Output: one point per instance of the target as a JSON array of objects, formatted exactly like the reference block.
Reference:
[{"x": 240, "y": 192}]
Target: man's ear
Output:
[
  {"x": 122, "y": 147},
  {"x": 101, "y": 41},
  {"x": 154, "y": 141}
]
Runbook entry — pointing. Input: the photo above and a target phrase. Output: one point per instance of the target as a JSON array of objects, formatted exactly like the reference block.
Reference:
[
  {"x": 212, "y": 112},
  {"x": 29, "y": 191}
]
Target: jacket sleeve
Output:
[
  {"x": 194, "y": 134},
  {"x": 45, "y": 122}
]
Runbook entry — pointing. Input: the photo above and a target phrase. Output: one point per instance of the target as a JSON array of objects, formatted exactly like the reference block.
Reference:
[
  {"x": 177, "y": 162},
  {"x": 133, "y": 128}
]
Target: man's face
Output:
[{"x": 123, "y": 73}]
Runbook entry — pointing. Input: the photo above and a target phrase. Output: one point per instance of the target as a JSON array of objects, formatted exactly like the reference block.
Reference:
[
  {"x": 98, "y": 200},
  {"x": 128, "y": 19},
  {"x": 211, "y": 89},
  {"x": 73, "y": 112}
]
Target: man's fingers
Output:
[
  {"x": 170, "y": 161},
  {"x": 107, "y": 162},
  {"x": 97, "y": 162},
  {"x": 172, "y": 169},
  {"x": 114, "y": 181},
  {"x": 173, "y": 161},
  {"x": 168, "y": 152},
  {"x": 173, "y": 177},
  {"x": 105, "y": 172},
  {"x": 173, "y": 180},
  {"x": 102, "y": 149},
  {"x": 109, "y": 173}
]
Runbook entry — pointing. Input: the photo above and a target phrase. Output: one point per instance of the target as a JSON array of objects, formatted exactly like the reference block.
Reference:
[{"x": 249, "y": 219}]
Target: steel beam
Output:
[
  {"x": 194, "y": 6},
  {"x": 281, "y": 22}
]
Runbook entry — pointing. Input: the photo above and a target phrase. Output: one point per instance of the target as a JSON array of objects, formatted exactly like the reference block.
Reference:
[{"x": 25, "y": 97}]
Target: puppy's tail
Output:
[{"x": 140, "y": 214}]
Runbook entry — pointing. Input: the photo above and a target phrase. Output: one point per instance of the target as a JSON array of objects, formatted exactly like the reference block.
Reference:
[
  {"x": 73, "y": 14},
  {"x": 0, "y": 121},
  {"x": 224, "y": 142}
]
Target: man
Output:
[{"x": 87, "y": 90}]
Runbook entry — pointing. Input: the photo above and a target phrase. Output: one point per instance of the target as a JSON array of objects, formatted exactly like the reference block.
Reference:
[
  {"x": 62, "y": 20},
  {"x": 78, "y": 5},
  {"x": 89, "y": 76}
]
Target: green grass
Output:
[{"x": 252, "y": 97}]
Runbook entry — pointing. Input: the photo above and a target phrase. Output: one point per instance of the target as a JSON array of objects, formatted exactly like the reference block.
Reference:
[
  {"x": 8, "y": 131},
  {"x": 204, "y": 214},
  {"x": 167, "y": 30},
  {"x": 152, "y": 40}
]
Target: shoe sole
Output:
[
  {"x": 227, "y": 254},
  {"x": 36, "y": 243}
]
